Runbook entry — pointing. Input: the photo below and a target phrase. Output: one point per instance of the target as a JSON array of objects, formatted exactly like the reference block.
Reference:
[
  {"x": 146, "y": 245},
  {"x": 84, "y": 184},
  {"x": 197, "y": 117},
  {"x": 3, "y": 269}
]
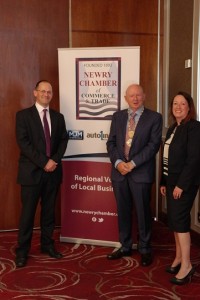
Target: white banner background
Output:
[{"x": 99, "y": 129}]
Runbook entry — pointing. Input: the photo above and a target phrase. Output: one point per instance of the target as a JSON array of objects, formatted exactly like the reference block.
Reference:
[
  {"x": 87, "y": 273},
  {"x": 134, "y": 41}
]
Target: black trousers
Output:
[
  {"x": 45, "y": 192},
  {"x": 126, "y": 193}
]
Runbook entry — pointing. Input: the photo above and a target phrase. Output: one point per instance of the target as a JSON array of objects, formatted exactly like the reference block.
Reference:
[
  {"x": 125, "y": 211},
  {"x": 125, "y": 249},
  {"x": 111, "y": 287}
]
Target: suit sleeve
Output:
[
  {"x": 114, "y": 145},
  {"x": 192, "y": 163}
]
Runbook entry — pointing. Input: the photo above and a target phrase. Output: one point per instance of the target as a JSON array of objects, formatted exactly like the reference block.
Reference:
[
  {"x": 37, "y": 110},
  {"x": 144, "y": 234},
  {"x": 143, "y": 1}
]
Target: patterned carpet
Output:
[{"x": 84, "y": 273}]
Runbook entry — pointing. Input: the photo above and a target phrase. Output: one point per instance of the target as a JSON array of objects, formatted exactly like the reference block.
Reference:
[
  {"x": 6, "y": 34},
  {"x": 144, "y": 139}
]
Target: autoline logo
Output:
[{"x": 100, "y": 135}]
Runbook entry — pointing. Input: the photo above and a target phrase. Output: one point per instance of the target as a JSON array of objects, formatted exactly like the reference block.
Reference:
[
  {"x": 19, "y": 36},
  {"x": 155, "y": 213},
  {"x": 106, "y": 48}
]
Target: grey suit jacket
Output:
[
  {"x": 145, "y": 144},
  {"x": 31, "y": 141}
]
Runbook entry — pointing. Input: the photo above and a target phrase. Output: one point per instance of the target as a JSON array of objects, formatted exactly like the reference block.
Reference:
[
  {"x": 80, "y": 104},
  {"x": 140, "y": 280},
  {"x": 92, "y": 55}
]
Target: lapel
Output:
[
  {"x": 53, "y": 124},
  {"x": 37, "y": 122},
  {"x": 124, "y": 121},
  {"x": 37, "y": 119}
]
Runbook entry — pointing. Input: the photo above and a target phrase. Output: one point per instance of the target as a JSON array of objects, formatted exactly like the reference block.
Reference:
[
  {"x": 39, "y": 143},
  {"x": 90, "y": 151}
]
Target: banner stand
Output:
[{"x": 92, "y": 84}]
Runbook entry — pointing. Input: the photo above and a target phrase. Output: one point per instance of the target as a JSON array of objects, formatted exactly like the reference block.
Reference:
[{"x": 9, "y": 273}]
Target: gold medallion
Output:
[
  {"x": 131, "y": 134},
  {"x": 128, "y": 142}
]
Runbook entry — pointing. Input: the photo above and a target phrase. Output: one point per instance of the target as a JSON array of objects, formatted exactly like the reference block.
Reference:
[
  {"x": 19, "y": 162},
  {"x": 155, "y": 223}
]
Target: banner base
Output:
[
  {"x": 93, "y": 242},
  {"x": 90, "y": 242}
]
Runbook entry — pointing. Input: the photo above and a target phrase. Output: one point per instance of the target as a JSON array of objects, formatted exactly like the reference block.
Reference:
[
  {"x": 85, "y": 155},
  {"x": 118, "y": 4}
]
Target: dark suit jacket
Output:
[
  {"x": 145, "y": 144},
  {"x": 184, "y": 156},
  {"x": 31, "y": 140}
]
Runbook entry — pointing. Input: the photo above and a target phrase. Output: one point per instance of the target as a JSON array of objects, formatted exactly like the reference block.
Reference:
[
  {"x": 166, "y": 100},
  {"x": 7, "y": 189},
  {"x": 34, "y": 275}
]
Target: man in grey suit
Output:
[
  {"x": 40, "y": 169},
  {"x": 134, "y": 139}
]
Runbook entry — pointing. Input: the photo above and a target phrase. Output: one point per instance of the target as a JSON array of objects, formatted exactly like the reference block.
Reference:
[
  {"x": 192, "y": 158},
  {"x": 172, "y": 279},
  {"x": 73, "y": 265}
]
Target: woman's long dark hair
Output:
[{"x": 192, "y": 110}]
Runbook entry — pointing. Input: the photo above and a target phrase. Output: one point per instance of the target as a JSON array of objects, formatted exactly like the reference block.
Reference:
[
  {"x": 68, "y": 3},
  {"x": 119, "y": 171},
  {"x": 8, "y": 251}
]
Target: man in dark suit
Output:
[
  {"x": 134, "y": 139},
  {"x": 40, "y": 169}
]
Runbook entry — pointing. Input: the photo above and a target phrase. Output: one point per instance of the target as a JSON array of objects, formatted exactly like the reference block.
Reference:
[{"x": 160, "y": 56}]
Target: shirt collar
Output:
[
  {"x": 40, "y": 107},
  {"x": 139, "y": 111}
]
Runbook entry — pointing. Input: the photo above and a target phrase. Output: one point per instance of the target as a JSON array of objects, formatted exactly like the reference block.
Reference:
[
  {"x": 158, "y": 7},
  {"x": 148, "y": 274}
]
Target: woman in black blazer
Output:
[{"x": 180, "y": 181}]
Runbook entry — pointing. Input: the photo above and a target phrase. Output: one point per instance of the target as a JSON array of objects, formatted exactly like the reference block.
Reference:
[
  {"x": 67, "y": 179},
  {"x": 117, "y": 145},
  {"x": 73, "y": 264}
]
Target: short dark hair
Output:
[
  {"x": 192, "y": 110},
  {"x": 38, "y": 83}
]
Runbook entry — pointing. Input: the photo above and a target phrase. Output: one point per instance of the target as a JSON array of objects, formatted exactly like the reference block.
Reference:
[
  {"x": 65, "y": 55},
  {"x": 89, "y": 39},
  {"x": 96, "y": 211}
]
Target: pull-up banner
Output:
[{"x": 92, "y": 84}]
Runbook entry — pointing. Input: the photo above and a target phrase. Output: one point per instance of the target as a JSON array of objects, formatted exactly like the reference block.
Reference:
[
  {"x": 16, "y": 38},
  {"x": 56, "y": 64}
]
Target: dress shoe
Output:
[
  {"x": 52, "y": 252},
  {"x": 173, "y": 270},
  {"x": 119, "y": 254},
  {"x": 146, "y": 259},
  {"x": 20, "y": 261},
  {"x": 185, "y": 279}
]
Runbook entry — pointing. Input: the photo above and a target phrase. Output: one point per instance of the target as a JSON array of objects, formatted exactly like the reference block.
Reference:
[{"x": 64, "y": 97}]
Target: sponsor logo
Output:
[
  {"x": 79, "y": 135},
  {"x": 100, "y": 135},
  {"x": 76, "y": 134}
]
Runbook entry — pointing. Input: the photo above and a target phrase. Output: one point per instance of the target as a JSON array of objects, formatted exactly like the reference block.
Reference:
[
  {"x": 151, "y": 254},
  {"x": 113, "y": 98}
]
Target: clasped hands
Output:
[
  {"x": 125, "y": 167},
  {"x": 50, "y": 166}
]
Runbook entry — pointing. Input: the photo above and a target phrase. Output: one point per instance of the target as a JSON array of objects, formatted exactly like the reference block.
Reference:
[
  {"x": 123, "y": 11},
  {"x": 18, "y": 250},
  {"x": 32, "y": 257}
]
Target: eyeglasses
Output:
[{"x": 44, "y": 92}]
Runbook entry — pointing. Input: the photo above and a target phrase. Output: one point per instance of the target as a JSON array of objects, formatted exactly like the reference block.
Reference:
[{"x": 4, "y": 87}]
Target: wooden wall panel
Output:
[
  {"x": 148, "y": 56},
  {"x": 30, "y": 33},
  {"x": 139, "y": 16},
  {"x": 112, "y": 23},
  {"x": 181, "y": 36}
]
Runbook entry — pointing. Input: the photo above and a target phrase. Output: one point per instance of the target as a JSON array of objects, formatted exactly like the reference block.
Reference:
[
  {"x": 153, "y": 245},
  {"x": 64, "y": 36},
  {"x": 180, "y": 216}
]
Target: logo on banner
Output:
[
  {"x": 100, "y": 220},
  {"x": 75, "y": 134},
  {"x": 97, "y": 135},
  {"x": 98, "y": 82}
]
